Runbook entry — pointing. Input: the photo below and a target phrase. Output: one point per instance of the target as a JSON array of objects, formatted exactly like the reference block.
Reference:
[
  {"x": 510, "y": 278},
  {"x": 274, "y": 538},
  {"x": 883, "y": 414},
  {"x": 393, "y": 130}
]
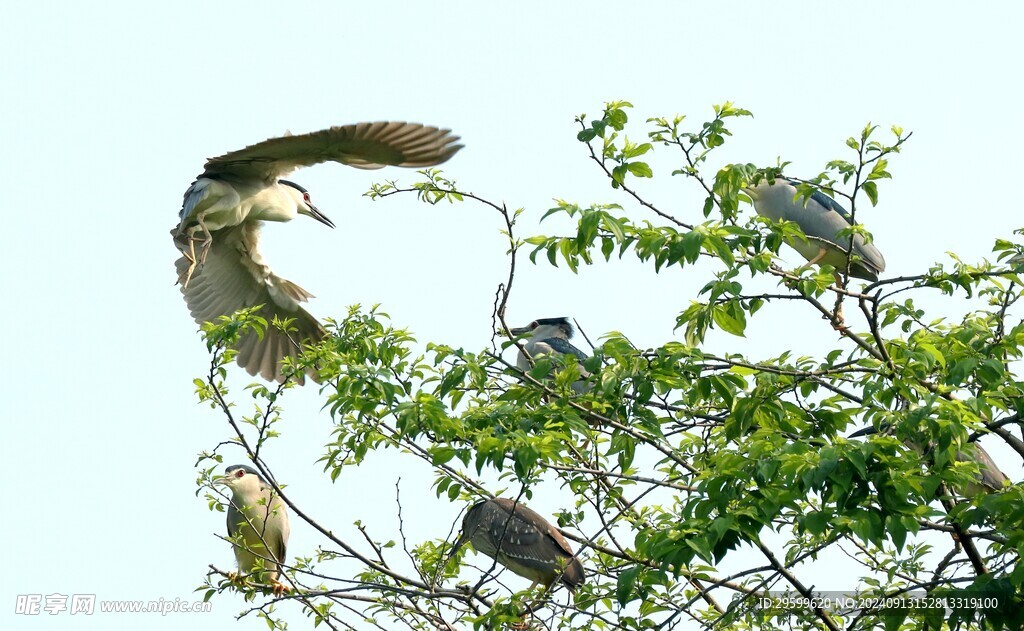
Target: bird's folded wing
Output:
[
  {"x": 827, "y": 220},
  {"x": 282, "y": 544},
  {"x": 989, "y": 473},
  {"x": 363, "y": 145},
  {"x": 234, "y": 277},
  {"x": 234, "y": 516},
  {"x": 565, "y": 347},
  {"x": 195, "y": 193},
  {"x": 527, "y": 535},
  {"x": 828, "y": 203}
]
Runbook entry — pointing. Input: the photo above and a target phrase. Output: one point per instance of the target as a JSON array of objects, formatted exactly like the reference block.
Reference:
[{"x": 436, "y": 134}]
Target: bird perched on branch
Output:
[
  {"x": 821, "y": 218},
  {"x": 257, "y": 523},
  {"x": 521, "y": 540},
  {"x": 989, "y": 477},
  {"x": 221, "y": 269},
  {"x": 549, "y": 336}
]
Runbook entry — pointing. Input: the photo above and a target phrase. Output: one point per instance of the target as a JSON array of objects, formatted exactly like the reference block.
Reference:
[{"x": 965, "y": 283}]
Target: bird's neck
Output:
[
  {"x": 273, "y": 204},
  {"x": 248, "y": 497}
]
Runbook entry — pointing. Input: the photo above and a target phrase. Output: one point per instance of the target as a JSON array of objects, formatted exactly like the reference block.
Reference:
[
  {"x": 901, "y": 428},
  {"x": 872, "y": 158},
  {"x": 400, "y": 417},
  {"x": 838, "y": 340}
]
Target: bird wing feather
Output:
[
  {"x": 564, "y": 347},
  {"x": 829, "y": 219},
  {"x": 235, "y": 277},
  {"x": 989, "y": 473},
  {"x": 286, "y": 531},
  {"x": 831, "y": 204},
  {"x": 526, "y": 534},
  {"x": 195, "y": 194},
  {"x": 234, "y": 516},
  {"x": 362, "y": 145}
]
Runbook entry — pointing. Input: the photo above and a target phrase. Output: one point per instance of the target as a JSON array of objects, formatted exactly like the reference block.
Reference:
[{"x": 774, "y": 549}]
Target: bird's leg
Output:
[
  {"x": 237, "y": 579},
  {"x": 817, "y": 257},
  {"x": 190, "y": 256},
  {"x": 838, "y": 322},
  {"x": 193, "y": 260},
  {"x": 820, "y": 255},
  {"x": 208, "y": 240},
  {"x": 279, "y": 589}
]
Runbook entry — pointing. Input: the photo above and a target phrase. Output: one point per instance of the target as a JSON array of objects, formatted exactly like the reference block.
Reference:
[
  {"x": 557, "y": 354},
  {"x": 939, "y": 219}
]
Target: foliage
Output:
[{"x": 680, "y": 461}]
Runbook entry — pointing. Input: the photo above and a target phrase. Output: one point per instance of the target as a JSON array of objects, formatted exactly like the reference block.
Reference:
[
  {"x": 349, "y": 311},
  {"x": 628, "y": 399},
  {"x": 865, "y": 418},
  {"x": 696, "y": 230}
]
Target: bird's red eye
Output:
[
  {"x": 239, "y": 473},
  {"x": 305, "y": 196},
  {"x": 534, "y": 324}
]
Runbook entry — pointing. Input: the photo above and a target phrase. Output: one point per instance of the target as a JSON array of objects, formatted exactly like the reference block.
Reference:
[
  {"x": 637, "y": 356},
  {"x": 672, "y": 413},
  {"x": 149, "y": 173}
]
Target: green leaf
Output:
[
  {"x": 934, "y": 352},
  {"x": 640, "y": 169},
  {"x": 959, "y": 371},
  {"x": 871, "y": 189},
  {"x": 441, "y": 454},
  {"x": 625, "y": 584},
  {"x": 730, "y": 318},
  {"x": 816, "y": 522}
]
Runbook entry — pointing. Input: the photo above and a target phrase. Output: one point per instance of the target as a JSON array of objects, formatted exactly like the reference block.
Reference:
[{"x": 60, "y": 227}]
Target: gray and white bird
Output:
[
  {"x": 221, "y": 269},
  {"x": 989, "y": 477},
  {"x": 821, "y": 218},
  {"x": 257, "y": 523},
  {"x": 550, "y": 336},
  {"x": 521, "y": 540}
]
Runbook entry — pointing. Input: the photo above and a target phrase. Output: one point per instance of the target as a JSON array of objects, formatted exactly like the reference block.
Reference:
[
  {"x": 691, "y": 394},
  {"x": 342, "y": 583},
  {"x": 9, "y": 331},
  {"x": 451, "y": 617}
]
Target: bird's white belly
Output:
[
  {"x": 246, "y": 559},
  {"x": 252, "y": 548}
]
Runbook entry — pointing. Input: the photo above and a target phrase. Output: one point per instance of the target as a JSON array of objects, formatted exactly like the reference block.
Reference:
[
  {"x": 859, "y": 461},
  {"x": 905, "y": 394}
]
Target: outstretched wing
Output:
[
  {"x": 235, "y": 277},
  {"x": 363, "y": 145}
]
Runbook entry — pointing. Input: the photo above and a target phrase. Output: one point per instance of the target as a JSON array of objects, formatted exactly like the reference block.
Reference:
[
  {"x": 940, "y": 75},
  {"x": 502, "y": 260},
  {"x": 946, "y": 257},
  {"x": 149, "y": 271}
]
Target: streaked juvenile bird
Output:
[
  {"x": 221, "y": 269},
  {"x": 521, "y": 540},
  {"x": 821, "y": 218},
  {"x": 550, "y": 336},
  {"x": 258, "y": 522},
  {"x": 989, "y": 477}
]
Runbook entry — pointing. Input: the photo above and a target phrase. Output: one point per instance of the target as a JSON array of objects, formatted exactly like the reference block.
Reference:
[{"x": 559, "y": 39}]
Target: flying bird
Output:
[
  {"x": 521, "y": 540},
  {"x": 550, "y": 336},
  {"x": 257, "y": 523},
  {"x": 821, "y": 218},
  {"x": 221, "y": 269}
]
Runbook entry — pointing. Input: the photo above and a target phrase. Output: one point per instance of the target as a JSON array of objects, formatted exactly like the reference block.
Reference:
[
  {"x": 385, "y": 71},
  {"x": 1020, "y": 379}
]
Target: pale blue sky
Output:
[{"x": 110, "y": 109}]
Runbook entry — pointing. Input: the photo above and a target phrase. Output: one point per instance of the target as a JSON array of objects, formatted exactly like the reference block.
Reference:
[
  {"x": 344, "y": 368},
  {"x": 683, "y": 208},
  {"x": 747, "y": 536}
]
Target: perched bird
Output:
[
  {"x": 989, "y": 477},
  {"x": 547, "y": 336},
  {"x": 821, "y": 218},
  {"x": 521, "y": 540},
  {"x": 221, "y": 269},
  {"x": 258, "y": 522}
]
